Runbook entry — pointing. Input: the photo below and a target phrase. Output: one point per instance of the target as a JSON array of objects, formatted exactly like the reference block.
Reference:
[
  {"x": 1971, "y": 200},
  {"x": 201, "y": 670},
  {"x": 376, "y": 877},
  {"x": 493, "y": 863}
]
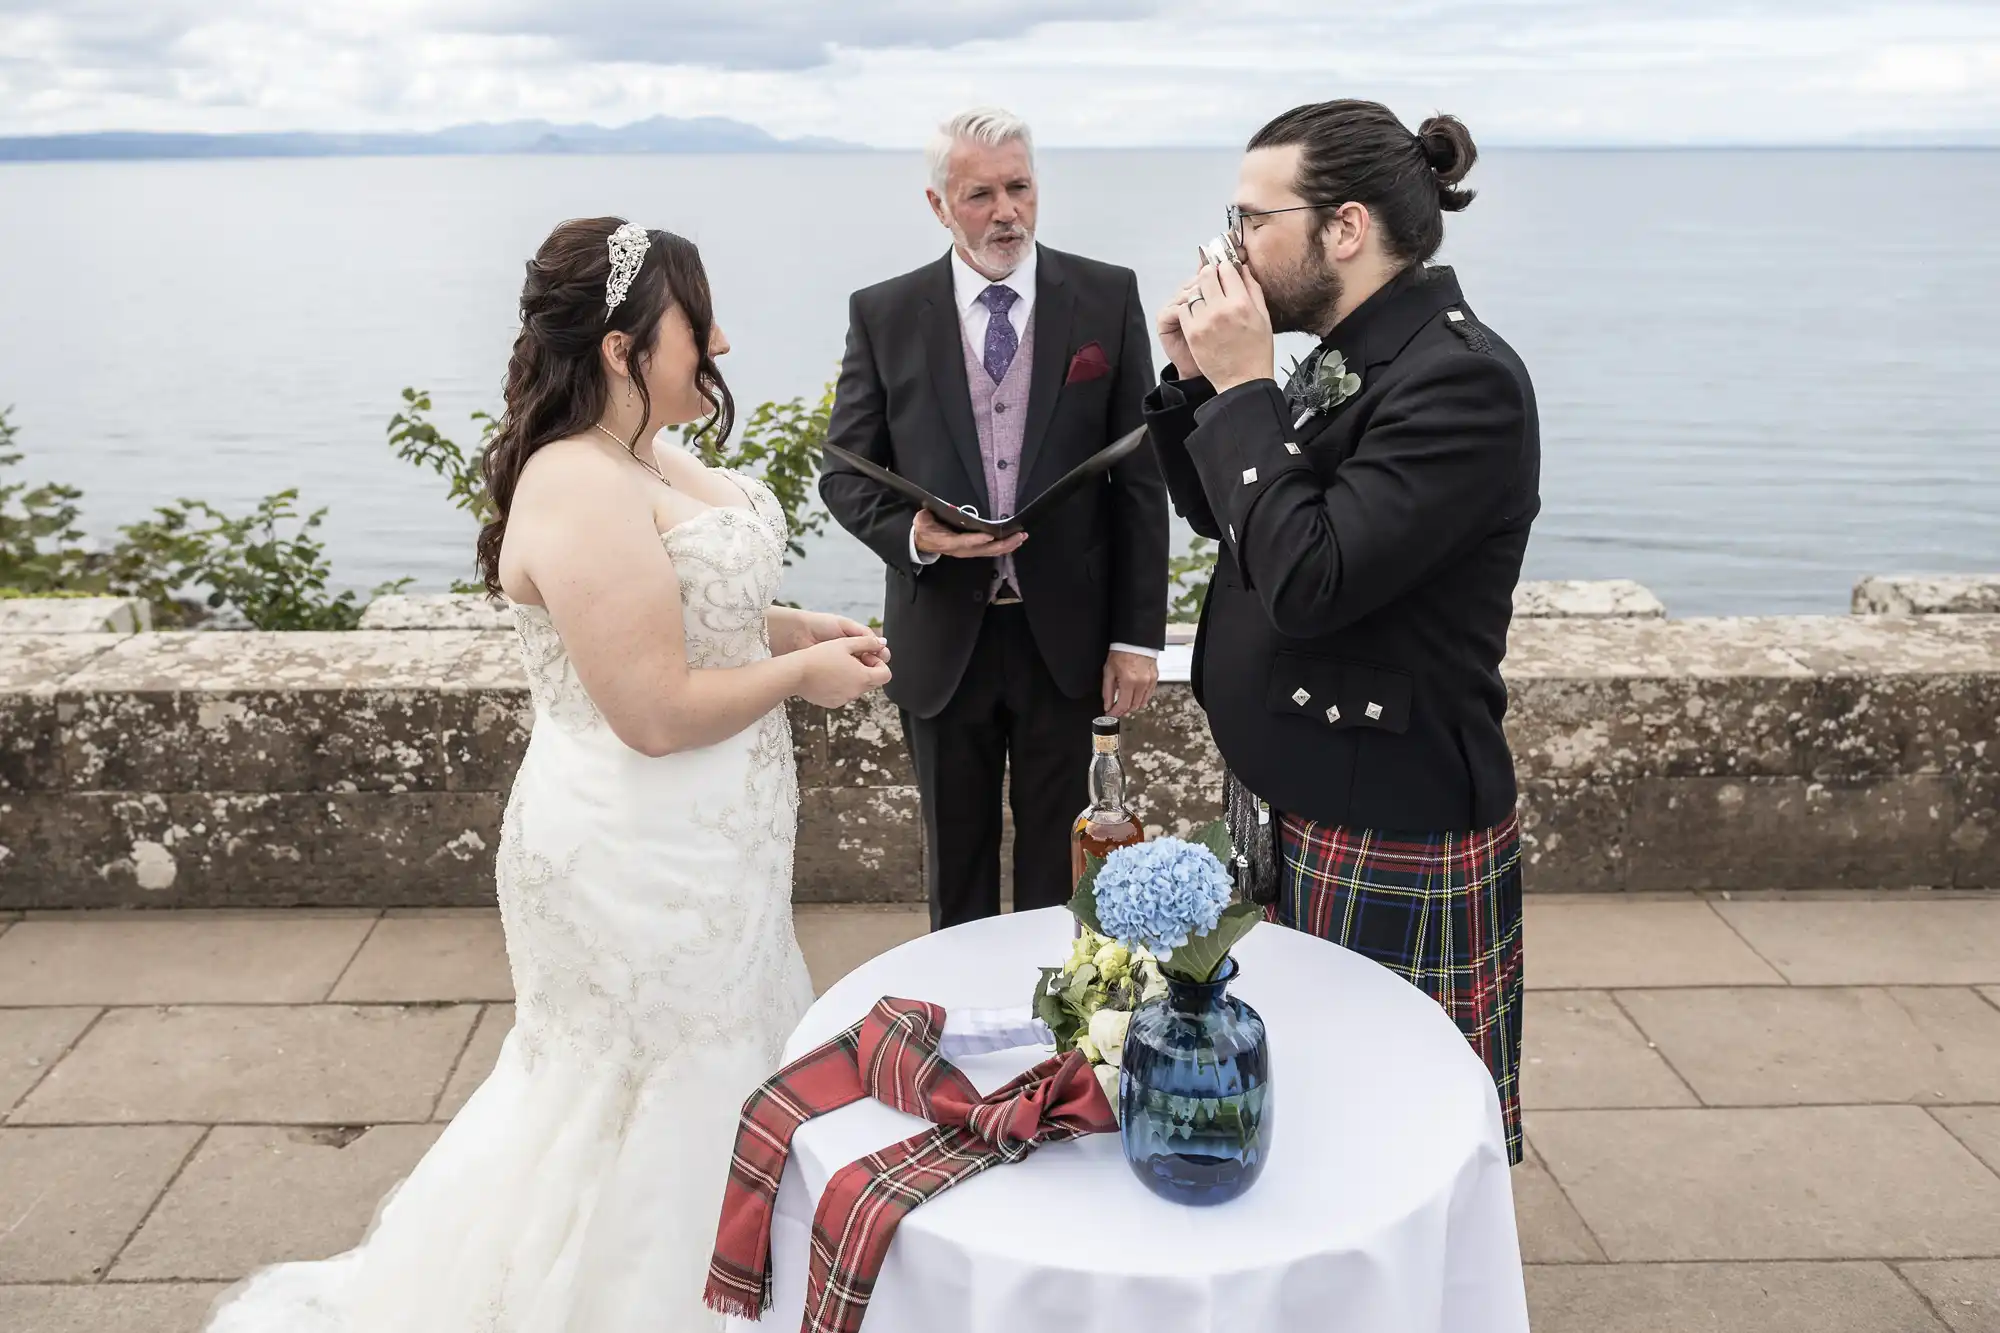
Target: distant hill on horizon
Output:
[
  {"x": 718, "y": 134},
  {"x": 660, "y": 134}
]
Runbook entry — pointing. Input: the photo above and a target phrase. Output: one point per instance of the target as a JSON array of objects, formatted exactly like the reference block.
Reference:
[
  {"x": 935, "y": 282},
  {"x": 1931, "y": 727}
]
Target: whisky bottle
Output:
[{"x": 1105, "y": 824}]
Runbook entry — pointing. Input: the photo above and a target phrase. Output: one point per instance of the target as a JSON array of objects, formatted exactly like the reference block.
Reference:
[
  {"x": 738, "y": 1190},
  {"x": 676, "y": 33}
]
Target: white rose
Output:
[
  {"x": 1107, "y": 1079},
  {"x": 1089, "y": 1049},
  {"x": 1107, "y": 1033}
]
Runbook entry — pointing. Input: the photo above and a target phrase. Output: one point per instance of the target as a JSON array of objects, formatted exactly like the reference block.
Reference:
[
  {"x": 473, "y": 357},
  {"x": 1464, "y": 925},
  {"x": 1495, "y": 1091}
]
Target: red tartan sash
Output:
[{"x": 892, "y": 1056}]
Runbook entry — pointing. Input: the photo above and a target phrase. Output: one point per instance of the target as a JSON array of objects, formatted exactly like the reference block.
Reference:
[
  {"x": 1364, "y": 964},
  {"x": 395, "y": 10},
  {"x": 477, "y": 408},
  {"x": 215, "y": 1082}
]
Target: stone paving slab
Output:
[
  {"x": 1977, "y": 1127},
  {"x": 1837, "y": 1219},
  {"x": 1583, "y": 1052},
  {"x": 1585, "y": 943},
  {"x": 1903, "y": 942},
  {"x": 1965, "y": 1294},
  {"x": 1550, "y": 1230},
  {"x": 256, "y": 1195},
  {"x": 70, "y": 1198},
  {"x": 1726, "y": 1298},
  {"x": 1797, "y": 1045},
  {"x": 324, "y": 1065},
  {"x": 31, "y": 1041},
  {"x": 838, "y": 940},
  {"x": 133, "y": 958},
  {"x": 179, "y": 1307},
  {"x": 420, "y": 958},
  {"x": 477, "y": 1062},
  {"x": 1843, "y": 1182}
]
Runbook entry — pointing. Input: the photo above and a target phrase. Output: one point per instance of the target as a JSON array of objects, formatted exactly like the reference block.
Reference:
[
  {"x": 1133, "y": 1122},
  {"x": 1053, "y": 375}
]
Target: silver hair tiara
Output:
[{"x": 628, "y": 247}]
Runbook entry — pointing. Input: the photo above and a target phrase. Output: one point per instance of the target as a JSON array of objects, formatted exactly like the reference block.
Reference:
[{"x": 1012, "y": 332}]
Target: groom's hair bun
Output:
[
  {"x": 1353, "y": 151},
  {"x": 1447, "y": 145}
]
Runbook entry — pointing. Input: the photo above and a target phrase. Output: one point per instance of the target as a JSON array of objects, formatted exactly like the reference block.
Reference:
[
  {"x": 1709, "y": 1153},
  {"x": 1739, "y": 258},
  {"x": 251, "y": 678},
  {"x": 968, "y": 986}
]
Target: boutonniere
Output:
[{"x": 1332, "y": 384}]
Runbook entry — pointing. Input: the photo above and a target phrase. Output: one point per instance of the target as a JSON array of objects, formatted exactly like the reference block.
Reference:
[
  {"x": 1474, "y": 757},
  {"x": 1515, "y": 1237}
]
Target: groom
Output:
[
  {"x": 984, "y": 376},
  {"x": 1373, "y": 514}
]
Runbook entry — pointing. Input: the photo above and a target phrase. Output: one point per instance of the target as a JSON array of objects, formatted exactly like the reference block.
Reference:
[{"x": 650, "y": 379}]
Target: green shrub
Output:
[
  {"x": 779, "y": 444},
  {"x": 187, "y": 561},
  {"x": 1188, "y": 577}
]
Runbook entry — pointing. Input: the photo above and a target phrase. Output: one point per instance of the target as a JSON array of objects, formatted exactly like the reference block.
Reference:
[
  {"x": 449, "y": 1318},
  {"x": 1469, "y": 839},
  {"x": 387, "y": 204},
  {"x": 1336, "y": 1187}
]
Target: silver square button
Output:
[
  {"x": 1291, "y": 448},
  {"x": 1374, "y": 712},
  {"x": 1301, "y": 696},
  {"x": 1333, "y": 713},
  {"x": 1249, "y": 475},
  {"x": 1455, "y": 316}
]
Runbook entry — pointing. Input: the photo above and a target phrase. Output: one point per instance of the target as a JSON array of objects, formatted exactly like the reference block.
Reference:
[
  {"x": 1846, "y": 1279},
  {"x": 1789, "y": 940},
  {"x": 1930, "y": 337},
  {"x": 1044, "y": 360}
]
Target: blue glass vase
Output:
[{"x": 1195, "y": 1092}]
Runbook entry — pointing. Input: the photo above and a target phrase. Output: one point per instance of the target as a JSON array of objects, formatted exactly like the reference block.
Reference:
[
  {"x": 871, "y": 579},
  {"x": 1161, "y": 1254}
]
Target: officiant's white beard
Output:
[{"x": 1001, "y": 250}]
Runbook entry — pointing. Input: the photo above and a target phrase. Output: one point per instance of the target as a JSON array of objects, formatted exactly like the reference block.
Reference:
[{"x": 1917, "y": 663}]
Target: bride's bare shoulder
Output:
[{"x": 570, "y": 468}]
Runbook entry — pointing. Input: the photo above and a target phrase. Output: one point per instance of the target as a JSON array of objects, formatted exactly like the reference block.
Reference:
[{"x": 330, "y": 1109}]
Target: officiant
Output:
[
  {"x": 984, "y": 376},
  {"x": 1372, "y": 514}
]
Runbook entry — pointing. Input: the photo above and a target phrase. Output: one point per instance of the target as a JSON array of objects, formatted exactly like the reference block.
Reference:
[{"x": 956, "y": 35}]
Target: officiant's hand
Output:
[
  {"x": 1228, "y": 328},
  {"x": 1129, "y": 680},
  {"x": 934, "y": 538}
]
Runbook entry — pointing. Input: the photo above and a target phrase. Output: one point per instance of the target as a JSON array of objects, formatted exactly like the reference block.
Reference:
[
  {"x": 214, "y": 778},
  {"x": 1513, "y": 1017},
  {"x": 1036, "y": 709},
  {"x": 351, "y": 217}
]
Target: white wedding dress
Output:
[{"x": 647, "y": 906}]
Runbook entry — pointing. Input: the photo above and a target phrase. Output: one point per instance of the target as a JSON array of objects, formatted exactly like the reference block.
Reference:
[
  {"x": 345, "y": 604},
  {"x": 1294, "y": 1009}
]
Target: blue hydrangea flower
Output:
[{"x": 1160, "y": 894}]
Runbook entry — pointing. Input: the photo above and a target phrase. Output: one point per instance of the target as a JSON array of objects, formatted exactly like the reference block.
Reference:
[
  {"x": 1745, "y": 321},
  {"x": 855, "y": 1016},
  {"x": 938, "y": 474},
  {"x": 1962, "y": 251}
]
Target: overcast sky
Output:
[{"x": 1104, "y": 72}]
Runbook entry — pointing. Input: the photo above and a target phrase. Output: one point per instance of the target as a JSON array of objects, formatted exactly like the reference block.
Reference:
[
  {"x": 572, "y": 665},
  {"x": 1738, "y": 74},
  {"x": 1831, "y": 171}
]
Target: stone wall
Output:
[
  {"x": 1928, "y": 595},
  {"x": 371, "y": 768}
]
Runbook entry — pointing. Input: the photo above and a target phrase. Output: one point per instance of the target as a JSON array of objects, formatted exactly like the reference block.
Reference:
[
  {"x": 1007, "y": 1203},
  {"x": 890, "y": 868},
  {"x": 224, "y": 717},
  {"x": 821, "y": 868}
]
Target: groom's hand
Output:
[
  {"x": 1228, "y": 328},
  {"x": 1129, "y": 679},
  {"x": 934, "y": 538},
  {"x": 1173, "y": 340}
]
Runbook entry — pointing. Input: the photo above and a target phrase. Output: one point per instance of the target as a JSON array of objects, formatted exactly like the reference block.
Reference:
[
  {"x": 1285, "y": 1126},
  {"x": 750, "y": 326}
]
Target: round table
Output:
[{"x": 1386, "y": 1204}]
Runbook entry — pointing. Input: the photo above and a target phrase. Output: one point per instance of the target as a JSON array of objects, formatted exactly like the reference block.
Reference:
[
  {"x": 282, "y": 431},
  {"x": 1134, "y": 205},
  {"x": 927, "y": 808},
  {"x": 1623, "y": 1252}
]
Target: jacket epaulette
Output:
[{"x": 1467, "y": 328}]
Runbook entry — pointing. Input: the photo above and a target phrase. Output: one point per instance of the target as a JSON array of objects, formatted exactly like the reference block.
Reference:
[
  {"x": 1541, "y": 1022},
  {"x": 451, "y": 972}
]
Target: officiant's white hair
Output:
[{"x": 982, "y": 124}]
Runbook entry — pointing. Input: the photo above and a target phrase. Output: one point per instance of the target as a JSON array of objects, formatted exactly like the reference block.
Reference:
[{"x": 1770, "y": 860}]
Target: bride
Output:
[{"x": 646, "y": 858}]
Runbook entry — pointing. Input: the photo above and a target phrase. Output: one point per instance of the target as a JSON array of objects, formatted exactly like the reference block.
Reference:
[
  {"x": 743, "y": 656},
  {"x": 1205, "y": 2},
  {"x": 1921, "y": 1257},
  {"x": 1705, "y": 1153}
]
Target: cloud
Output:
[
  {"x": 767, "y": 34},
  {"x": 1109, "y": 72}
]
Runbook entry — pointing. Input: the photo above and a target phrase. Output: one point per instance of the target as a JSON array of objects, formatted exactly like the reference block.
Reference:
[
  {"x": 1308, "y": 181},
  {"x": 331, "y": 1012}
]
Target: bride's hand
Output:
[
  {"x": 807, "y": 628},
  {"x": 825, "y": 627},
  {"x": 836, "y": 672}
]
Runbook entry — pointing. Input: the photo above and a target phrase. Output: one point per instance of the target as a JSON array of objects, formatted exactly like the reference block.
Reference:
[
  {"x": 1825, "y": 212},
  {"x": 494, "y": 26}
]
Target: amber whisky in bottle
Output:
[{"x": 1105, "y": 824}]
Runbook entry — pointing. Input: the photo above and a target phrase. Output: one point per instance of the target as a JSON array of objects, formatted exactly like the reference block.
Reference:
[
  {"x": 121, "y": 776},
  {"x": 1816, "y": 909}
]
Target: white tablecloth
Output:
[{"x": 1386, "y": 1206}]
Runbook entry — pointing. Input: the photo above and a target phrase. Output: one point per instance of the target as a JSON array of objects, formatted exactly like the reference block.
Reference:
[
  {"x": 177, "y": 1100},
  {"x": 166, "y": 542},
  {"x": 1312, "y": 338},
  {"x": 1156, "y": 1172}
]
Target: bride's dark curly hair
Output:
[{"x": 556, "y": 384}]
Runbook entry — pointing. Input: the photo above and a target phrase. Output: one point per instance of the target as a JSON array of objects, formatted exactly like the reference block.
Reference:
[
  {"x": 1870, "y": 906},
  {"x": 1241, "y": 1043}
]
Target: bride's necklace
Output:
[{"x": 634, "y": 452}]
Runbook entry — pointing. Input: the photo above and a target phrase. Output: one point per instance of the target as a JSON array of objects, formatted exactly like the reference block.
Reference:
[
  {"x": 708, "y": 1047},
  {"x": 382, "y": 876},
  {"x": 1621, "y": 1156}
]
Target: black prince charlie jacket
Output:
[{"x": 1350, "y": 644}]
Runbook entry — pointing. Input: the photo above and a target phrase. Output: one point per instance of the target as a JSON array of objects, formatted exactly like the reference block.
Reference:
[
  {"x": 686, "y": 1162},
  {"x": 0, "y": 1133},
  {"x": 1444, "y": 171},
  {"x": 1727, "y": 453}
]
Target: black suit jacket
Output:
[
  {"x": 1094, "y": 571},
  {"x": 1350, "y": 645}
]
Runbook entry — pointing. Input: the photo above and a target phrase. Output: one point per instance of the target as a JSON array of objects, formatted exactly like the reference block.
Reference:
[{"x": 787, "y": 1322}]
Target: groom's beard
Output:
[{"x": 1304, "y": 296}]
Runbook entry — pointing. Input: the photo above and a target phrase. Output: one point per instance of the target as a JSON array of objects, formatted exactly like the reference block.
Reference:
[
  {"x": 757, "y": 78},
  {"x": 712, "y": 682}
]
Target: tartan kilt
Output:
[{"x": 1442, "y": 910}]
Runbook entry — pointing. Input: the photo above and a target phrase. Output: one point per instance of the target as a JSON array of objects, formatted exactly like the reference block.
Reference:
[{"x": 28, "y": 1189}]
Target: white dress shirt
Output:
[{"x": 968, "y": 284}]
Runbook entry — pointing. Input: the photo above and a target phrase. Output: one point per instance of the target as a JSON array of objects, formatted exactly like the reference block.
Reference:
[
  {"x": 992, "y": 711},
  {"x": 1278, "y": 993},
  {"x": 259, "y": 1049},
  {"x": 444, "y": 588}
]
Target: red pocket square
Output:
[{"x": 1089, "y": 363}]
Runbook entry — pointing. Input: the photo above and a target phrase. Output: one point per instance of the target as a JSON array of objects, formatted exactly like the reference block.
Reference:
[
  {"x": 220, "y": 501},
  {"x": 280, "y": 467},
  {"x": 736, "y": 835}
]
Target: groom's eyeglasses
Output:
[{"x": 1236, "y": 214}]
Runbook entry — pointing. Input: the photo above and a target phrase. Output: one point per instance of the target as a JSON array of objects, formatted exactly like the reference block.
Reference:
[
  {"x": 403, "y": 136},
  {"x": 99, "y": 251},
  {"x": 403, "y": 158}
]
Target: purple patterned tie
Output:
[{"x": 1001, "y": 340}]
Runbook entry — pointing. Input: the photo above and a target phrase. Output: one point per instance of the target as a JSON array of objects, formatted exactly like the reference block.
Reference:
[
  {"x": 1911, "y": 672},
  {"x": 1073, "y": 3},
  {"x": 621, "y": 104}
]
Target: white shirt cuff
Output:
[
  {"x": 1136, "y": 651},
  {"x": 919, "y": 557}
]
